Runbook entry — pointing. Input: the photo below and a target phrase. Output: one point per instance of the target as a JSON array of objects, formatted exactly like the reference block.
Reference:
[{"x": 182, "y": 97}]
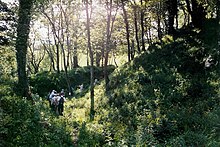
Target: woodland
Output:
[{"x": 134, "y": 73}]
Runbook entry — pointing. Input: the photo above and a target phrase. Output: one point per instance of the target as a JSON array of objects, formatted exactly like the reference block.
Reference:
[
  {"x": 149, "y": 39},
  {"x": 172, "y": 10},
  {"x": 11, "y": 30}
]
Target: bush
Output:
[
  {"x": 25, "y": 124},
  {"x": 170, "y": 89},
  {"x": 45, "y": 82},
  {"x": 89, "y": 137}
]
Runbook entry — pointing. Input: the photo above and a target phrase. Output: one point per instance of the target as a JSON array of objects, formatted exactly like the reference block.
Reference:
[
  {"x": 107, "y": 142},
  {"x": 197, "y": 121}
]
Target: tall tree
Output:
[
  {"x": 23, "y": 29},
  {"x": 142, "y": 26},
  {"x": 197, "y": 12},
  {"x": 88, "y": 17},
  {"x": 172, "y": 12},
  {"x": 218, "y": 19},
  {"x": 135, "y": 7},
  {"x": 56, "y": 36},
  {"x": 127, "y": 29},
  {"x": 108, "y": 39},
  {"x": 35, "y": 57}
]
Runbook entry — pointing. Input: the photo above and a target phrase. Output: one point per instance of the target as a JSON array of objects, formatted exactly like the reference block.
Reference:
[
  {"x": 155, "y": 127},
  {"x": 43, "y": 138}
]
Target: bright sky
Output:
[{"x": 9, "y": 1}]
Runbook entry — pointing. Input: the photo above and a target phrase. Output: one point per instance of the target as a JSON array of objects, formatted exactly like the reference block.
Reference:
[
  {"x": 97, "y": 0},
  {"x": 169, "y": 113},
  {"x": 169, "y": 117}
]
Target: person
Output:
[
  {"x": 62, "y": 93},
  {"x": 61, "y": 104},
  {"x": 51, "y": 96},
  {"x": 48, "y": 98},
  {"x": 81, "y": 88}
]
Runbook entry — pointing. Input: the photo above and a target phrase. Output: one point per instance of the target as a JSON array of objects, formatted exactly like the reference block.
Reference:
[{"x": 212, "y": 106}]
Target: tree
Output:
[
  {"x": 142, "y": 26},
  {"x": 135, "y": 7},
  {"x": 88, "y": 17},
  {"x": 197, "y": 12},
  {"x": 108, "y": 40},
  {"x": 172, "y": 12},
  {"x": 218, "y": 19},
  {"x": 23, "y": 29},
  {"x": 127, "y": 29},
  {"x": 35, "y": 57}
]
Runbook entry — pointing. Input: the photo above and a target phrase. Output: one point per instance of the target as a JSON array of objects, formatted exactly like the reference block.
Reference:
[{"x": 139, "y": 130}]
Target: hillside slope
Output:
[{"x": 168, "y": 96}]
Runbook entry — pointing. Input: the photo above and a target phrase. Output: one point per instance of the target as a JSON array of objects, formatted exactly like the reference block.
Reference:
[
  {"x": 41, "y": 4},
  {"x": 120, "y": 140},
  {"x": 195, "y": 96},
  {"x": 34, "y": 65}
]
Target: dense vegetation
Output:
[
  {"x": 166, "y": 94},
  {"x": 168, "y": 97},
  {"x": 52, "y": 80}
]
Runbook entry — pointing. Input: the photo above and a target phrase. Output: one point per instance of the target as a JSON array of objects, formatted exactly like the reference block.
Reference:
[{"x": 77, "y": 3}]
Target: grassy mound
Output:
[{"x": 168, "y": 95}]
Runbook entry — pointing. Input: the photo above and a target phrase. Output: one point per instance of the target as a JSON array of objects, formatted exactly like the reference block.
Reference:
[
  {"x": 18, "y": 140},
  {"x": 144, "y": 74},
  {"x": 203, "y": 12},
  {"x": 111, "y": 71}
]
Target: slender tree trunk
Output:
[
  {"x": 98, "y": 58},
  {"x": 87, "y": 56},
  {"x": 92, "y": 111},
  {"x": 136, "y": 29},
  {"x": 68, "y": 50},
  {"x": 218, "y": 10},
  {"x": 142, "y": 27},
  {"x": 172, "y": 12},
  {"x": 218, "y": 19},
  {"x": 50, "y": 53},
  {"x": 58, "y": 56},
  {"x": 107, "y": 46},
  {"x": 66, "y": 70},
  {"x": 127, "y": 30},
  {"x": 23, "y": 29},
  {"x": 55, "y": 36},
  {"x": 52, "y": 57},
  {"x": 132, "y": 50},
  {"x": 159, "y": 21},
  {"x": 61, "y": 42},
  {"x": 75, "y": 57}
]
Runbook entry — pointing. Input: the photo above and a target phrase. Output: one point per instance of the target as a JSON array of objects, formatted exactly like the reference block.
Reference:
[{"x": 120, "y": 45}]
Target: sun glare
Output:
[{"x": 9, "y": 1}]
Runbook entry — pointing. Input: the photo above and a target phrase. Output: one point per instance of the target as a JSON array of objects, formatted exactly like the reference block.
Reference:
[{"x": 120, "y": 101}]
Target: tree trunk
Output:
[
  {"x": 159, "y": 21},
  {"x": 50, "y": 53},
  {"x": 23, "y": 29},
  {"x": 92, "y": 111},
  {"x": 197, "y": 13},
  {"x": 98, "y": 59},
  {"x": 107, "y": 44},
  {"x": 58, "y": 56},
  {"x": 75, "y": 57},
  {"x": 218, "y": 19},
  {"x": 66, "y": 70},
  {"x": 172, "y": 12},
  {"x": 61, "y": 42},
  {"x": 127, "y": 30},
  {"x": 142, "y": 27},
  {"x": 136, "y": 29}
]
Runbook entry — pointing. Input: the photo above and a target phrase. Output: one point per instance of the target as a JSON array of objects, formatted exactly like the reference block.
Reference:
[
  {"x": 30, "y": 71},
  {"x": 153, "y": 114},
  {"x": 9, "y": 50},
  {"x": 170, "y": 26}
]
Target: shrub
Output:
[{"x": 25, "y": 124}]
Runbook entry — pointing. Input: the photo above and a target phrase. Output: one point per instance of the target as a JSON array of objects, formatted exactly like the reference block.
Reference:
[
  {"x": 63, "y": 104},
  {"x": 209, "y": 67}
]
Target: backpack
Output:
[{"x": 61, "y": 101}]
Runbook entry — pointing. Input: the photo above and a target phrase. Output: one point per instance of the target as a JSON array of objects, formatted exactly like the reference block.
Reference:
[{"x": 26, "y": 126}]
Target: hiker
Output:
[
  {"x": 48, "y": 98},
  {"x": 81, "y": 88},
  {"x": 62, "y": 93},
  {"x": 61, "y": 104},
  {"x": 52, "y": 94},
  {"x": 51, "y": 98},
  {"x": 56, "y": 105}
]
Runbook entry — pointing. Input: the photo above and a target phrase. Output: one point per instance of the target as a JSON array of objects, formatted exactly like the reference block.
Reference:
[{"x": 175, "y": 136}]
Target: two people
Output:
[{"x": 56, "y": 101}]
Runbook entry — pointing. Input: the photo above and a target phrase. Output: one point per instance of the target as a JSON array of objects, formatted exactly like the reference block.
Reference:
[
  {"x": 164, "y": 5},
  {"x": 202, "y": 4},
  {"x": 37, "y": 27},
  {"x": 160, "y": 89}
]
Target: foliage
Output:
[
  {"x": 169, "y": 93},
  {"x": 7, "y": 63},
  {"x": 25, "y": 124},
  {"x": 90, "y": 137},
  {"x": 45, "y": 82},
  {"x": 7, "y": 29}
]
